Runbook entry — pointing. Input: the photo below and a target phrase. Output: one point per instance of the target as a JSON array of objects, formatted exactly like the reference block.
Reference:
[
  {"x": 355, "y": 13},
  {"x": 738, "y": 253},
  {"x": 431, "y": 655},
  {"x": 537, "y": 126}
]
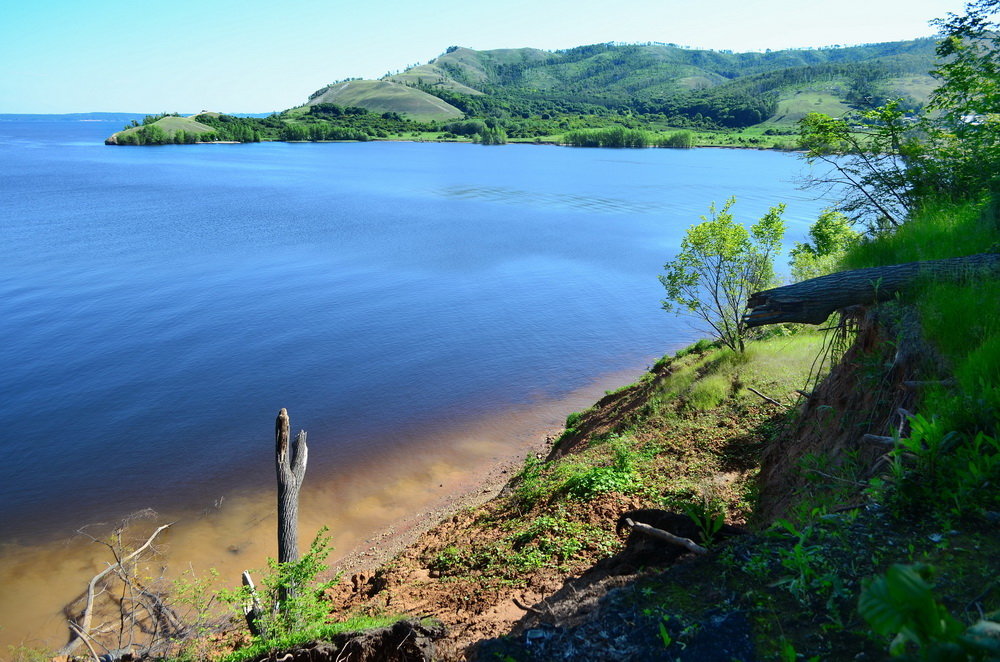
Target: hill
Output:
[
  {"x": 528, "y": 94},
  {"x": 386, "y": 97},
  {"x": 162, "y": 129},
  {"x": 730, "y": 89}
]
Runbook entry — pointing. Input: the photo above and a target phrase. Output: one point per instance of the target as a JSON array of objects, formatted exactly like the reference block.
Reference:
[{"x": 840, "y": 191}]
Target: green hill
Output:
[
  {"x": 527, "y": 94},
  {"x": 170, "y": 128},
  {"x": 721, "y": 87},
  {"x": 385, "y": 97}
]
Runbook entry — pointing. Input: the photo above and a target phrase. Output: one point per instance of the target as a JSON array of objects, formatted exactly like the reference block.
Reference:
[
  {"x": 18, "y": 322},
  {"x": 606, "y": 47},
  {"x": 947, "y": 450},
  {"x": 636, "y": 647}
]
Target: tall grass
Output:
[{"x": 940, "y": 229}]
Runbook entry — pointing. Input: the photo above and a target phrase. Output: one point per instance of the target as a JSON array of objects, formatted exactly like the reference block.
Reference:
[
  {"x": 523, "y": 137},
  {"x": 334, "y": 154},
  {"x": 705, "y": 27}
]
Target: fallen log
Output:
[
  {"x": 667, "y": 536},
  {"x": 812, "y": 301}
]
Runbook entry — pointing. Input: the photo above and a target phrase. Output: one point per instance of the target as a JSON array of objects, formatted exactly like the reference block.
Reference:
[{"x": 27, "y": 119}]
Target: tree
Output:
[
  {"x": 867, "y": 157},
  {"x": 831, "y": 236},
  {"x": 719, "y": 265},
  {"x": 965, "y": 132},
  {"x": 290, "y": 463}
]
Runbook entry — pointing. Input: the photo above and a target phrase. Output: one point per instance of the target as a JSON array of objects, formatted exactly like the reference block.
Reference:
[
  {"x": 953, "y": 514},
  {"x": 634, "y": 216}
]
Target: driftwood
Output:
[
  {"x": 660, "y": 534},
  {"x": 81, "y": 630},
  {"x": 252, "y": 611},
  {"x": 812, "y": 301}
]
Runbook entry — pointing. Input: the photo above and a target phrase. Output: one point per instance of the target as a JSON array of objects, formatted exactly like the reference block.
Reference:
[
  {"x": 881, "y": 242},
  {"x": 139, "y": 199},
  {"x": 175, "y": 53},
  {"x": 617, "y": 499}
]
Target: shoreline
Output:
[{"x": 373, "y": 513}]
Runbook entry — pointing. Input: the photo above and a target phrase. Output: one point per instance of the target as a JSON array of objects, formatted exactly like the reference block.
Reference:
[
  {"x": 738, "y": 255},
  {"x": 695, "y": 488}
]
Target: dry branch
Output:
[
  {"x": 812, "y": 301},
  {"x": 252, "y": 611},
  {"x": 878, "y": 440},
  {"x": 653, "y": 532},
  {"x": 771, "y": 400},
  {"x": 83, "y": 629}
]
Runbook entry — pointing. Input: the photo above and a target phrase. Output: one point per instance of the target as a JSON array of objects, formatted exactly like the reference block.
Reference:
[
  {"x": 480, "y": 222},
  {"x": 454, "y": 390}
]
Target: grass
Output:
[
  {"x": 172, "y": 125},
  {"x": 940, "y": 229},
  {"x": 321, "y": 633},
  {"x": 676, "y": 452},
  {"x": 796, "y": 104},
  {"x": 384, "y": 96}
]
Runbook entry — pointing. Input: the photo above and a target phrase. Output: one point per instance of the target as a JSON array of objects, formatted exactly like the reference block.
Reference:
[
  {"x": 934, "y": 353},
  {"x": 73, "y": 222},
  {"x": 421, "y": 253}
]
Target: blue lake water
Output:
[{"x": 159, "y": 305}]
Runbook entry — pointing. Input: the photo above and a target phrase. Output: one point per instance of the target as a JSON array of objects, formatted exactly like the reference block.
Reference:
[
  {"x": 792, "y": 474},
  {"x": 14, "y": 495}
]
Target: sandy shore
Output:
[
  {"x": 479, "y": 488},
  {"x": 373, "y": 513}
]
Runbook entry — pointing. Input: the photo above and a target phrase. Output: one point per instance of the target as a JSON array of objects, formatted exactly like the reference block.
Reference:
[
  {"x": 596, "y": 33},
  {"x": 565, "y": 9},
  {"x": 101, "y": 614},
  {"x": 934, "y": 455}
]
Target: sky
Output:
[{"x": 255, "y": 56}]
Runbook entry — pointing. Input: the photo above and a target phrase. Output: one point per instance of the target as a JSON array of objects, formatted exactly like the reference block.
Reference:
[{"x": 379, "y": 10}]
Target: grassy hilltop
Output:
[{"x": 527, "y": 94}]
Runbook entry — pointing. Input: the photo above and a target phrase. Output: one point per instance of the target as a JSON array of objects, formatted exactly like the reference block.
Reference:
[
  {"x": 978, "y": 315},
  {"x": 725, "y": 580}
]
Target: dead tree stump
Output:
[{"x": 290, "y": 461}]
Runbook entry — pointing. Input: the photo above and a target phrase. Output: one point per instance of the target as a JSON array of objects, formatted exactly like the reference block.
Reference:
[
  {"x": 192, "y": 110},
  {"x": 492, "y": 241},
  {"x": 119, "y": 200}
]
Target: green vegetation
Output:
[
  {"x": 297, "y": 637},
  {"x": 901, "y": 603},
  {"x": 620, "y": 95},
  {"x": 889, "y": 464},
  {"x": 619, "y": 136},
  {"x": 831, "y": 237},
  {"x": 719, "y": 265}
]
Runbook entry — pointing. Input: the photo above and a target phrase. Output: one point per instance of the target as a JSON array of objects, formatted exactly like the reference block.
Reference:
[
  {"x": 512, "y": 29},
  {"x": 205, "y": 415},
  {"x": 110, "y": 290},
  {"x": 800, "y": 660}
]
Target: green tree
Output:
[
  {"x": 866, "y": 158},
  {"x": 719, "y": 265},
  {"x": 831, "y": 236},
  {"x": 965, "y": 130},
  {"x": 492, "y": 136}
]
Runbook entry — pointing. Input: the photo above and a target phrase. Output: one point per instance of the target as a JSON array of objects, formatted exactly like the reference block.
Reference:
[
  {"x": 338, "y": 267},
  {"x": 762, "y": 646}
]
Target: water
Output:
[{"x": 402, "y": 300}]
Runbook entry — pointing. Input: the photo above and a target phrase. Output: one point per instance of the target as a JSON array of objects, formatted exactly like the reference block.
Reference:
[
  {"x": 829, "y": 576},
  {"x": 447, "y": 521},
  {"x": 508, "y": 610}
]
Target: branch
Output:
[
  {"x": 253, "y": 611},
  {"x": 771, "y": 400},
  {"x": 666, "y": 536},
  {"x": 88, "y": 611}
]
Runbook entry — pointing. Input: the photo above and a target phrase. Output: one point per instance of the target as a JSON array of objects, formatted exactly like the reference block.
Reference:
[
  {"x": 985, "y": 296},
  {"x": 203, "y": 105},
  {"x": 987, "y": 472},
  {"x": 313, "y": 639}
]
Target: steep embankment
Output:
[
  {"x": 687, "y": 436},
  {"x": 546, "y": 570}
]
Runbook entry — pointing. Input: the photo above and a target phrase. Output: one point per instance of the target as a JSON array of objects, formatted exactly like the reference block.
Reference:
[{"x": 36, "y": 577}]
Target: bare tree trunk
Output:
[
  {"x": 813, "y": 300},
  {"x": 291, "y": 468}
]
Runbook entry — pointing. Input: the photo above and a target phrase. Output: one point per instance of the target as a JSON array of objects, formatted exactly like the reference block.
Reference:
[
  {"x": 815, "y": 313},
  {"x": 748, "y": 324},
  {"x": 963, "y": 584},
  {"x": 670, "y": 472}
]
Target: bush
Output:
[{"x": 291, "y": 594}]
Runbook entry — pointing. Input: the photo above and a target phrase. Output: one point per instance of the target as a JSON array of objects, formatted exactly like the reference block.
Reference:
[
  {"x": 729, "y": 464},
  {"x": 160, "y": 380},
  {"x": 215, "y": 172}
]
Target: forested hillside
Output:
[
  {"x": 684, "y": 86},
  {"x": 527, "y": 94}
]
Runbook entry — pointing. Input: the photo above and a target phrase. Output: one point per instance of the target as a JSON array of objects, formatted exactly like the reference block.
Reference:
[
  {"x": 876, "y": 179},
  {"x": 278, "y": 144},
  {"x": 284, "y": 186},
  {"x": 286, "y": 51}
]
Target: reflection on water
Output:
[{"x": 546, "y": 199}]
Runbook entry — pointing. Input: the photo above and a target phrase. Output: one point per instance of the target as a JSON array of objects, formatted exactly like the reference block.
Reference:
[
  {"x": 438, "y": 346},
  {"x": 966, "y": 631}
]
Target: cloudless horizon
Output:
[{"x": 62, "y": 56}]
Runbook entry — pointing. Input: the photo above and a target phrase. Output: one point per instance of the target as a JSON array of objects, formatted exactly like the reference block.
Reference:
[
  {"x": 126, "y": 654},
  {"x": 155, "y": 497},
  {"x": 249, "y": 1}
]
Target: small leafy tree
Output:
[
  {"x": 831, "y": 236},
  {"x": 291, "y": 596},
  {"x": 719, "y": 265}
]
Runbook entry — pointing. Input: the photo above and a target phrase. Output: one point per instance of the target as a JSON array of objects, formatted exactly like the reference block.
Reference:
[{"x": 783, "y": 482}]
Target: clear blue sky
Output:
[{"x": 59, "y": 56}]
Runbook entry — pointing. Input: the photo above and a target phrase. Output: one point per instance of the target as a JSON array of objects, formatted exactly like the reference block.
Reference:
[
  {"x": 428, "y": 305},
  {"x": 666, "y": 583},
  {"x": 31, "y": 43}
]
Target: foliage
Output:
[
  {"x": 491, "y": 136},
  {"x": 304, "y": 608},
  {"x": 831, "y": 236},
  {"x": 719, "y": 265},
  {"x": 966, "y": 134},
  {"x": 709, "y": 516},
  {"x": 902, "y": 605},
  {"x": 939, "y": 229},
  {"x": 618, "y": 477},
  {"x": 815, "y": 577},
  {"x": 259, "y": 647},
  {"x": 677, "y": 140},
  {"x": 615, "y": 136},
  {"x": 867, "y": 158}
]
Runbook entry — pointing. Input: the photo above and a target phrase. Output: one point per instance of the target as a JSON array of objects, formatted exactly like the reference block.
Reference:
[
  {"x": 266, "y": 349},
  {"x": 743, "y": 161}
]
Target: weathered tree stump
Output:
[
  {"x": 290, "y": 460},
  {"x": 812, "y": 301}
]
